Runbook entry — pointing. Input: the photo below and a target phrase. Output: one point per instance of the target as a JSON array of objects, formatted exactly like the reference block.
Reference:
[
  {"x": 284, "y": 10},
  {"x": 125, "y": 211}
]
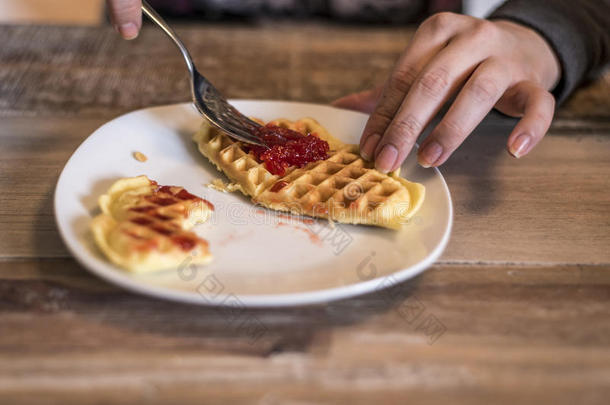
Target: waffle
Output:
[
  {"x": 343, "y": 188},
  {"x": 144, "y": 227}
]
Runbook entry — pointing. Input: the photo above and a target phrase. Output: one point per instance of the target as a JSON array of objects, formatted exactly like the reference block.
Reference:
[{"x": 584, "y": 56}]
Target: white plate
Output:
[{"x": 261, "y": 258}]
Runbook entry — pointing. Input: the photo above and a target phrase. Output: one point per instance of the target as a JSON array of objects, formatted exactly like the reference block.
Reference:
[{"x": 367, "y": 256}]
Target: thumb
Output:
[
  {"x": 126, "y": 16},
  {"x": 364, "y": 101}
]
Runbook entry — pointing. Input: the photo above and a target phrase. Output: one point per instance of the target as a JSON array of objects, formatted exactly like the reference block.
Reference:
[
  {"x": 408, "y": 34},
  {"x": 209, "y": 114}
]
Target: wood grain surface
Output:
[
  {"x": 510, "y": 333},
  {"x": 91, "y": 72},
  {"x": 515, "y": 311}
]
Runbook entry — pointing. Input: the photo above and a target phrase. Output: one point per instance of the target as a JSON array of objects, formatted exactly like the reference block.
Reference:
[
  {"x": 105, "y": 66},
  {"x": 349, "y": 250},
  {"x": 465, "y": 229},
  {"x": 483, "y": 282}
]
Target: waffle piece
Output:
[
  {"x": 344, "y": 187},
  {"x": 144, "y": 227}
]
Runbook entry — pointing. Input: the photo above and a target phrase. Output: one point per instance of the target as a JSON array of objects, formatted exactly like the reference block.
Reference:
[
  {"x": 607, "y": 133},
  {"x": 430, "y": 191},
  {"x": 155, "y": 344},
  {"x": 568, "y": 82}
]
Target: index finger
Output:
[{"x": 430, "y": 38}]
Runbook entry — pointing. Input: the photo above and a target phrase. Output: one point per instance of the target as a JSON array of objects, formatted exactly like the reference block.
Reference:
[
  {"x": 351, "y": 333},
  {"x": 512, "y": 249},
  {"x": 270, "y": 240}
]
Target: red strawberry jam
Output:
[
  {"x": 163, "y": 196},
  {"x": 287, "y": 148}
]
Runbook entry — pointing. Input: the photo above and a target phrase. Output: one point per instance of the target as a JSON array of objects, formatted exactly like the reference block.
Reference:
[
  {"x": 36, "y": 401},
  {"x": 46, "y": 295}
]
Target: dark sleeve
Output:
[{"x": 577, "y": 30}]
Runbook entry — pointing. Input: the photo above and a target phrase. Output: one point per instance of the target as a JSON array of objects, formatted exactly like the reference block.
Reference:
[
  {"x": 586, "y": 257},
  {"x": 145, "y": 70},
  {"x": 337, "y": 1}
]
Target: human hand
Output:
[
  {"x": 487, "y": 64},
  {"x": 126, "y": 16}
]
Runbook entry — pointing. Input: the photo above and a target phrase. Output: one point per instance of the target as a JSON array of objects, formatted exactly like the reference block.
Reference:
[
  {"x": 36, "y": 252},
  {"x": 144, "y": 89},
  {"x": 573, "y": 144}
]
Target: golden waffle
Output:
[
  {"x": 144, "y": 227},
  {"x": 343, "y": 187}
]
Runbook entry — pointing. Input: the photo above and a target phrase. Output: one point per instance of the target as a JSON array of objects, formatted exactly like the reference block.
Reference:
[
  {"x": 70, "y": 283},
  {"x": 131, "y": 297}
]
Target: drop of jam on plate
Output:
[
  {"x": 287, "y": 148},
  {"x": 313, "y": 237},
  {"x": 278, "y": 186}
]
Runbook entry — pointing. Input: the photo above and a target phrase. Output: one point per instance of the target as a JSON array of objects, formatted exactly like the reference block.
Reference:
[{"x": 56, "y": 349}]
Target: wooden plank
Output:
[
  {"x": 89, "y": 71},
  {"x": 550, "y": 207},
  {"x": 50, "y": 71},
  {"x": 31, "y": 158},
  {"x": 512, "y": 334}
]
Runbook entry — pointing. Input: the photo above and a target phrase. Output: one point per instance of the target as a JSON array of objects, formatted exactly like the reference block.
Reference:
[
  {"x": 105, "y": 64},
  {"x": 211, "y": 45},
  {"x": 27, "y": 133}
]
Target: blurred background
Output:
[{"x": 92, "y": 12}]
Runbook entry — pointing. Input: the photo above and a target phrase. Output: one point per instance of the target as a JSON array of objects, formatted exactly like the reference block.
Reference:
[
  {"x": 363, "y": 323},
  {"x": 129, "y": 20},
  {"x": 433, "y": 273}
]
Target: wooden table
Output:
[{"x": 522, "y": 292}]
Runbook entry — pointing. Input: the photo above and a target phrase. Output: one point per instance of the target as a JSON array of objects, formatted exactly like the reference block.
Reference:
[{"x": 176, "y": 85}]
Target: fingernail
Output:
[
  {"x": 128, "y": 30},
  {"x": 369, "y": 146},
  {"x": 386, "y": 158},
  {"x": 430, "y": 154},
  {"x": 520, "y": 145}
]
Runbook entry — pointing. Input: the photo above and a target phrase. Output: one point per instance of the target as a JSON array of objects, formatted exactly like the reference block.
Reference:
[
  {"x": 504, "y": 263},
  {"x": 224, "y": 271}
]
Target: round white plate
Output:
[{"x": 261, "y": 257}]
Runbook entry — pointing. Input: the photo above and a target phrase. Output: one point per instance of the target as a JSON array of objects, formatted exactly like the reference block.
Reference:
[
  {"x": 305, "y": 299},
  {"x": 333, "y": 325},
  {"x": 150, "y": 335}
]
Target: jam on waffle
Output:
[
  {"x": 340, "y": 186},
  {"x": 145, "y": 226},
  {"x": 287, "y": 148}
]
